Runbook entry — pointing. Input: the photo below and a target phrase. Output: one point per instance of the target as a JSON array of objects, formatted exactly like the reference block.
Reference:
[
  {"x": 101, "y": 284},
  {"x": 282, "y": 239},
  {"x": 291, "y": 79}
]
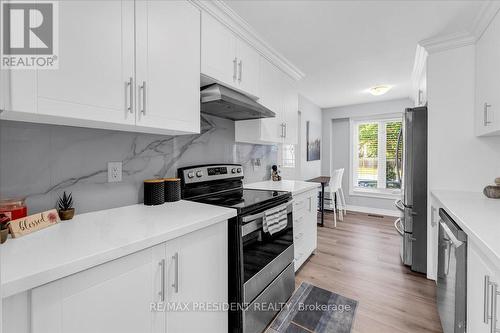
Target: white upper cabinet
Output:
[
  {"x": 134, "y": 67},
  {"x": 168, "y": 65},
  {"x": 248, "y": 68},
  {"x": 487, "y": 108},
  {"x": 228, "y": 59},
  {"x": 291, "y": 112},
  {"x": 278, "y": 93},
  {"x": 218, "y": 51},
  {"x": 96, "y": 64}
]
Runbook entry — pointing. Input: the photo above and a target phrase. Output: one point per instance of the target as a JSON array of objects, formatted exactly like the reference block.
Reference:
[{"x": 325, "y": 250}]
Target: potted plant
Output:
[
  {"x": 4, "y": 232},
  {"x": 65, "y": 207}
]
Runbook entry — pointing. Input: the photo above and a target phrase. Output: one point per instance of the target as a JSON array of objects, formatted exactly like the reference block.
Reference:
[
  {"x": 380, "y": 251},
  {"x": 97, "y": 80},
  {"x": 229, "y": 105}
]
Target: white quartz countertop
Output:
[
  {"x": 478, "y": 216},
  {"x": 94, "y": 238},
  {"x": 293, "y": 186}
]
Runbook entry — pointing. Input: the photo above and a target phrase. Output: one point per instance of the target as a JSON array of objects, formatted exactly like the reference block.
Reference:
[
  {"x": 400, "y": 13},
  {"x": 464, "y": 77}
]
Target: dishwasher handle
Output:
[{"x": 454, "y": 241}]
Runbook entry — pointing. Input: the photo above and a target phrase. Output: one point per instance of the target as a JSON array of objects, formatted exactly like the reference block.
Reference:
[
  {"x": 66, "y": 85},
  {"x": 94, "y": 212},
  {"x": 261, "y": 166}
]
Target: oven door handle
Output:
[
  {"x": 254, "y": 222},
  {"x": 257, "y": 216}
]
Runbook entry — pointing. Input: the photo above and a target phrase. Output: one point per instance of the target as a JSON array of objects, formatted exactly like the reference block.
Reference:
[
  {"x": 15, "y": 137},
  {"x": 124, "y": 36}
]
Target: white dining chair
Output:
[
  {"x": 341, "y": 192},
  {"x": 336, "y": 192}
]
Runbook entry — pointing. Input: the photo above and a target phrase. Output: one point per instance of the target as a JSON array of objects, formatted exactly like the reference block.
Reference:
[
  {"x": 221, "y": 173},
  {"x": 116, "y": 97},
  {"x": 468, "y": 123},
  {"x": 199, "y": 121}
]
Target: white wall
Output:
[
  {"x": 336, "y": 145},
  {"x": 458, "y": 160},
  {"x": 308, "y": 112}
]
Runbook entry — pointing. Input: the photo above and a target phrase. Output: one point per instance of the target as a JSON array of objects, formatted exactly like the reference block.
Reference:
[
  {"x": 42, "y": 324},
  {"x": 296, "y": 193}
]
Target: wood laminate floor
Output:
[{"x": 360, "y": 259}]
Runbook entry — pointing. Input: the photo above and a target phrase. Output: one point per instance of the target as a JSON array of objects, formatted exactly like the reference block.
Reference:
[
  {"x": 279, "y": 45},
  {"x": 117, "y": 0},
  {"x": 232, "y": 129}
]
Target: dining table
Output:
[{"x": 323, "y": 180}]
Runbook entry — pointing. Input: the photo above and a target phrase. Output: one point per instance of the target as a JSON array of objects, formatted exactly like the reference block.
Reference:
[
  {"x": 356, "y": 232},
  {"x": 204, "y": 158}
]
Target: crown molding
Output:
[
  {"x": 447, "y": 42},
  {"x": 224, "y": 14},
  {"x": 486, "y": 14}
]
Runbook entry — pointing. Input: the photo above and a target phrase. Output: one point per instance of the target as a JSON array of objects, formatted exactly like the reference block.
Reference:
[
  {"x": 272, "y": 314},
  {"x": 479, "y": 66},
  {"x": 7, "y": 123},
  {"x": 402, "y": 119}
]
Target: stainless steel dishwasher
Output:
[{"x": 452, "y": 275}]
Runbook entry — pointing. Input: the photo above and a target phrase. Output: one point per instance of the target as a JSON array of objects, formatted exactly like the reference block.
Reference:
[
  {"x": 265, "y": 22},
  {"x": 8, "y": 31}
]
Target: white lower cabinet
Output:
[
  {"x": 304, "y": 226},
  {"x": 197, "y": 276},
  {"x": 184, "y": 278},
  {"x": 113, "y": 297},
  {"x": 481, "y": 277}
]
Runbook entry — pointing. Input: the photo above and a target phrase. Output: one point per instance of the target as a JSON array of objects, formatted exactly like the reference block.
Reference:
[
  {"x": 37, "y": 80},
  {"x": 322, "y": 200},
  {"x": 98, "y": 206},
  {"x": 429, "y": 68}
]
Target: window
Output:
[
  {"x": 374, "y": 170},
  {"x": 288, "y": 156}
]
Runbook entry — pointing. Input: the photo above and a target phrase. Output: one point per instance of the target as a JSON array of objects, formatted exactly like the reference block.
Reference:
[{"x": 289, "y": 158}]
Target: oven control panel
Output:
[{"x": 205, "y": 173}]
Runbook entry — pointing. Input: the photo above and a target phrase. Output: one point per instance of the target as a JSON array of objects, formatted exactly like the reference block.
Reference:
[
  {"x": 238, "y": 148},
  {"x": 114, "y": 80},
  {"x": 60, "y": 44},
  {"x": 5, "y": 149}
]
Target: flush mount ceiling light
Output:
[{"x": 379, "y": 90}]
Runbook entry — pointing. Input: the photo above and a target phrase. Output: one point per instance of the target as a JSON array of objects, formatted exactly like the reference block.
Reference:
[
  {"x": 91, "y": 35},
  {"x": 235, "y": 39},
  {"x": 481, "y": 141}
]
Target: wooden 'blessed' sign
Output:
[{"x": 29, "y": 224}]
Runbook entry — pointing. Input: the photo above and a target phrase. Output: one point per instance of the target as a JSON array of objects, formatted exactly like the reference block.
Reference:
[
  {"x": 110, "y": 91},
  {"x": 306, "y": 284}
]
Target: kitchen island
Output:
[{"x": 105, "y": 269}]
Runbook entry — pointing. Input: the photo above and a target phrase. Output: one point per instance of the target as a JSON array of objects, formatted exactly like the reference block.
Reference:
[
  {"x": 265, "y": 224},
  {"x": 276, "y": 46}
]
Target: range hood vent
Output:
[{"x": 224, "y": 102}]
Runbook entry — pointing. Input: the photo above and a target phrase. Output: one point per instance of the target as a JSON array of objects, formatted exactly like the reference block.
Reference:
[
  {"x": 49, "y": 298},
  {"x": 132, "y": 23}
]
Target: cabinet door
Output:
[
  {"x": 114, "y": 297},
  {"x": 291, "y": 112},
  {"x": 197, "y": 276},
  {"x": 95, "y": 65},
  {"x": 487, "y": 80},
  {"x": 218, "y": 51},
  {"x": 272, "y": 97},
  {"x": 477, "y": 305},
  {"x": 248, "y": 68},
  {"x": 168, "y": 65}
]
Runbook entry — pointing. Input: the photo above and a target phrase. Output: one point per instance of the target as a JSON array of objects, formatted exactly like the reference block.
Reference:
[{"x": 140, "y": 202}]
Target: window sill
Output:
[{"x": 375, "y": 194}]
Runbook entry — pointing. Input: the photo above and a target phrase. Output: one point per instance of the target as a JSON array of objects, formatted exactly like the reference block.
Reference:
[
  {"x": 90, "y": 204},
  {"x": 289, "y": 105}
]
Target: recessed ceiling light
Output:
[{"x": 379, "y": 90}]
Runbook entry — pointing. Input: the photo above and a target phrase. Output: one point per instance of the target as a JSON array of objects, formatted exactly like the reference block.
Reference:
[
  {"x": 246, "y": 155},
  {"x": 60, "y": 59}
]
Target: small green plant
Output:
[{"x": 65, "y": 202}]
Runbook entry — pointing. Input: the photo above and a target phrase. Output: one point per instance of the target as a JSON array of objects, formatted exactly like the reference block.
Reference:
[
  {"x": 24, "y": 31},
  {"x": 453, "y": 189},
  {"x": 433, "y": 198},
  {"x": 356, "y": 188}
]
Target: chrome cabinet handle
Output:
[
  {"x": 162, "y": 277},
  {"x": 493, "y": 309},
  {"x": 130, "y": 86},
  {"x": 485, "y": 108},
  {"x": 235, "y": 60},
  {"x": 143, "y": 91},
  {"x": 240, "y": 69},
  {"x": 486, "y": 299},
  {"x": 284, "y": 125},
  {"x": 175, "y": 285}
]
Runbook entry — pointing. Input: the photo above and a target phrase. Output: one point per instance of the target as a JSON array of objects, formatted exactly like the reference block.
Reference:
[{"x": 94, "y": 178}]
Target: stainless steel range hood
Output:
[{"x": 225, "y": 102}]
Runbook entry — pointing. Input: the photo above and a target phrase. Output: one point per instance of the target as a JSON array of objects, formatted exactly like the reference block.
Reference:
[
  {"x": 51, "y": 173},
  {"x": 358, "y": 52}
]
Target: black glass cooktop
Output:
[{"x": 244, "y": 200}]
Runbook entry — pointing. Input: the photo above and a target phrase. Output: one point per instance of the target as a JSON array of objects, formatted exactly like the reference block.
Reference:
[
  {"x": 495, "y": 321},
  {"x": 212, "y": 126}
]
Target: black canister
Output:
[
  {"x": 154, "y": 192},
  {"x": 172, "y": 189}
]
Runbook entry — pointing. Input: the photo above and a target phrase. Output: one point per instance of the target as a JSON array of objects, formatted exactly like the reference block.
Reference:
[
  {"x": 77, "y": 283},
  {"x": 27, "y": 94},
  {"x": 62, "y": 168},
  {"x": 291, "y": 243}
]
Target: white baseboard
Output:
[{"x": 370, "y": 210}]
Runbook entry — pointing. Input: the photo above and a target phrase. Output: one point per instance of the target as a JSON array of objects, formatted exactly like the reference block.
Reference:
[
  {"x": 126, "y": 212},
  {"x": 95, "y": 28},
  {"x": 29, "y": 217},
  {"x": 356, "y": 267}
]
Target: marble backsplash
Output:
[{"x": 41, "y": 161}]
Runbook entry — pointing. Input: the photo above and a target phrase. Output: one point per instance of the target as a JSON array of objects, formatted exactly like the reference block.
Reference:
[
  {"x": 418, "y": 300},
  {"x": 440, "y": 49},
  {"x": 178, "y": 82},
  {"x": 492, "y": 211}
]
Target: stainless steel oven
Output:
[
  {"x": 260, "y": 265},
  {"x": 267, "y": 269}
]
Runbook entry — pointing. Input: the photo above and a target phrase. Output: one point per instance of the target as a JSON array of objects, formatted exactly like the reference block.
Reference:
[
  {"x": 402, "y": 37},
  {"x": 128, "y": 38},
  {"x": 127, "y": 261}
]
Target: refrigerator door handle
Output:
[
  {"x": 399, "y": 205},
  {"x": 398, "y": 160},
  {"x": 399, "y": 227}
]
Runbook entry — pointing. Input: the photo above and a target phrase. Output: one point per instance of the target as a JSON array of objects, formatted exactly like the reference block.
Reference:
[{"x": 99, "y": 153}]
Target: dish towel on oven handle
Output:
[{"x": 275, "y": 220}]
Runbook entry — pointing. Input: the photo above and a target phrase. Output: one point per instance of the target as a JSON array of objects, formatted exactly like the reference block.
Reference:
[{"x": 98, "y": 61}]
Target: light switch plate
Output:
[{"x": 114, "y": 172}]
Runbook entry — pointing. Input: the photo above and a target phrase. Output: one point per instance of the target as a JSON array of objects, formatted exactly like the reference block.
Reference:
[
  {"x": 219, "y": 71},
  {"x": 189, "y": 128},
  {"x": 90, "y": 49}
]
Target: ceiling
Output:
[{"x": 345, "y": 47}]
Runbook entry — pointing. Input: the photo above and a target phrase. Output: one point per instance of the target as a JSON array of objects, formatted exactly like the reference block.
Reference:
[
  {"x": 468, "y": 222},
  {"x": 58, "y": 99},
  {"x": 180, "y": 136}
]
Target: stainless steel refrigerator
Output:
[{"x": 411, "y": 165}]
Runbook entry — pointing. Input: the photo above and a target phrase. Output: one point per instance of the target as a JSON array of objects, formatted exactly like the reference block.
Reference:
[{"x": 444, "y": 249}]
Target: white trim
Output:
[
  {"x": 381, "y": 194},
  {"x": 227, "y": 16},
  {"x": 447, "y": 42},
  {"x": 370, "y": 210},
  {"x": 418, "y": 66},
  {"x": 486, "y": 14}
]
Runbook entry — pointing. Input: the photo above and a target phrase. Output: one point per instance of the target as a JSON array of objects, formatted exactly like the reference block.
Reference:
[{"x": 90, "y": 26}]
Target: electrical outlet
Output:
[{"x": 114, "y": 172}]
